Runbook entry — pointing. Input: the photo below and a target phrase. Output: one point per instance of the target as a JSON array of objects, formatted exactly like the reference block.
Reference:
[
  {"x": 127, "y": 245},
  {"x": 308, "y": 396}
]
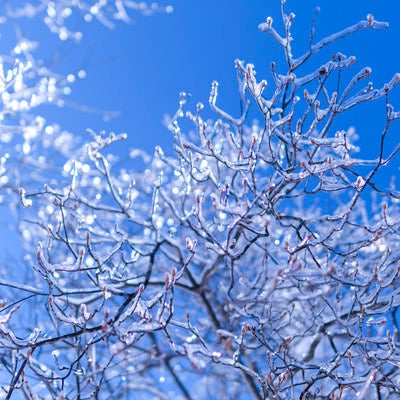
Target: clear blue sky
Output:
[{"x": 140, "y": 68}]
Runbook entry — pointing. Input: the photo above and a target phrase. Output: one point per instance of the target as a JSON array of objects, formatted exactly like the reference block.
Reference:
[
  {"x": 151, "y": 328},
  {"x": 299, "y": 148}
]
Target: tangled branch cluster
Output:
[{"x": 261, "y": 260}]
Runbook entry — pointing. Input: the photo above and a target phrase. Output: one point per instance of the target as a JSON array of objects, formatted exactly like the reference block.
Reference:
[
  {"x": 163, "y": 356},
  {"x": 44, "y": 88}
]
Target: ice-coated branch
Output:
[
  {"x": 260, "y": 260},
  {"x": 369, "y": 23}
]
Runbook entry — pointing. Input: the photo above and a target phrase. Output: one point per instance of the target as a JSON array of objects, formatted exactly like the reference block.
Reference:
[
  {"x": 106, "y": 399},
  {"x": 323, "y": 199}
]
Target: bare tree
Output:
[{"x": 261, "y": 261}]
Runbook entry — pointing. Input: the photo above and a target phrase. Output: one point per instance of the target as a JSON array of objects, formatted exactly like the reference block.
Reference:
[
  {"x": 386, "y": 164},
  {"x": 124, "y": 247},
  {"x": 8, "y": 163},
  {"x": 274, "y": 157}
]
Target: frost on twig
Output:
[
  {"x": 261, "y": 260},
  {"x": 59, "y": 16}
]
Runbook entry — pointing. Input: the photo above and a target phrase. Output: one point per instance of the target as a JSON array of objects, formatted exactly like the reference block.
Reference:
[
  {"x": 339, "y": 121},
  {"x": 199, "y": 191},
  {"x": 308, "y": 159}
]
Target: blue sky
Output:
[{"x": 139, "y": 69}]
